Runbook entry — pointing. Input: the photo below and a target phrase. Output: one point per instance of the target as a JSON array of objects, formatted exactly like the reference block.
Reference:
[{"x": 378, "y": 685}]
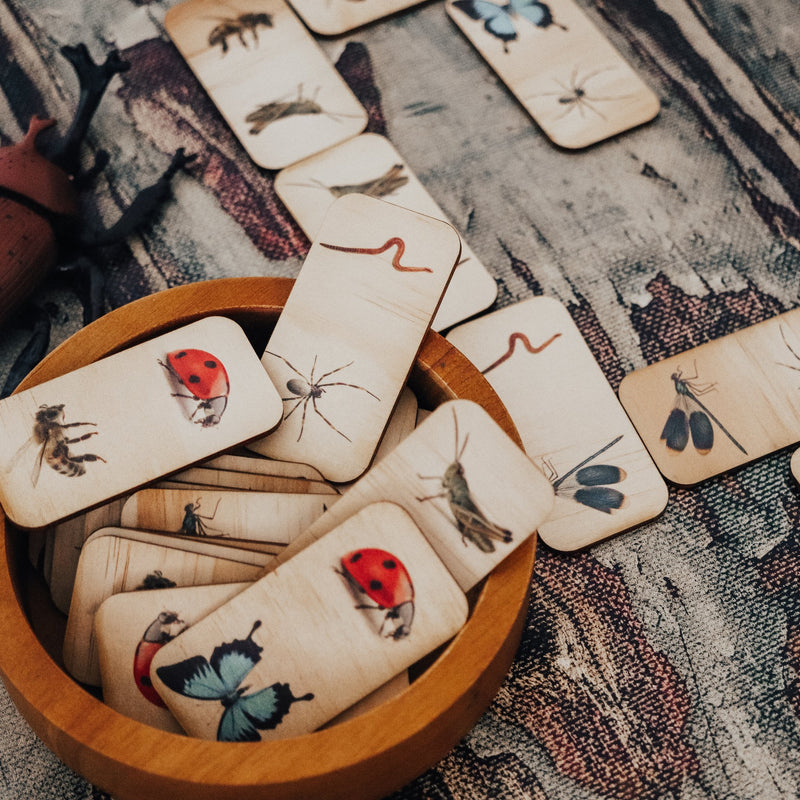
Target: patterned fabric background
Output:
[{"x": 662, "y": 663}]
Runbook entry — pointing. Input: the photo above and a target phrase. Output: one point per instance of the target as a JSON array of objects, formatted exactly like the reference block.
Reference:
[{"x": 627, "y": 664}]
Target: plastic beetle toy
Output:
[
  {"x": 383, "y": 578},
  {"x": 39, "y": 224}
]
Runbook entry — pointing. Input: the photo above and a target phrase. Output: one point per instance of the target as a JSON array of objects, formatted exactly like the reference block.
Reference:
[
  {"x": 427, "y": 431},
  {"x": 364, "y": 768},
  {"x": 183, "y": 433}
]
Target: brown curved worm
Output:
[
  {"x": 512, "y": 345},
  {"x": 395, "y": 241}
]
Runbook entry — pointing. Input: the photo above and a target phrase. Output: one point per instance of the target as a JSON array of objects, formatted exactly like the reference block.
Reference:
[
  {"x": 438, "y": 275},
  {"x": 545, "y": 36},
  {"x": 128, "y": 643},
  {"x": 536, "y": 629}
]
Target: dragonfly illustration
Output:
[{"x": 691, "y": 416}]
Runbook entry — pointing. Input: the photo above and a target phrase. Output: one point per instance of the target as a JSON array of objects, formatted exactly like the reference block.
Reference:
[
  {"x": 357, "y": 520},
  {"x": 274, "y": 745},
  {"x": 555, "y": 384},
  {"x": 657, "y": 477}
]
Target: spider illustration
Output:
[
  {"x": 576, "y": 95},
  {"x": 310, "y": 389}
]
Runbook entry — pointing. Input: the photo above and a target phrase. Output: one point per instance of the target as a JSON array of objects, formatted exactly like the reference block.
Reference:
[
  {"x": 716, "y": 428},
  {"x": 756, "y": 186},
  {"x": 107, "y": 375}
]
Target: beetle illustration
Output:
[
  {"x": 388, "y": 183},
  {"x": 160, "y": 631},
  {"x": 193, "y": 523},
  {"x": 39, "y": 224},
  {"x": 471, "y": 522},
  {"x": 49, "y": 433},
  {"x": 383, "y": 578},
  {"x": 268, "y": 113},
  {"x": 237, "y": 26},
  {"x": 204, "y": 376},
  {"x": 155, "y": 580}
]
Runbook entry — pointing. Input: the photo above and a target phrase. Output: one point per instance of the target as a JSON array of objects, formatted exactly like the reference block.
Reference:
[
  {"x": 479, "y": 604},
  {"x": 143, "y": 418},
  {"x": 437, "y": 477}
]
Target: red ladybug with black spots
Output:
[
  {"x": 205, "y": 378},
  {"x": 383, "y": 578}
]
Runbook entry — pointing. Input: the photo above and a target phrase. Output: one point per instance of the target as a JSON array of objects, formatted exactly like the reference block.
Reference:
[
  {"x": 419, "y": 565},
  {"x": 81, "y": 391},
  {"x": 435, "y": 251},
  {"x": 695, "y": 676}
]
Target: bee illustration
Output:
[
  {"x": 49, "y": 432},
  {"x": 471, "y": 522},
  {"x": 237, "y": 26},
  {"x": 267, "y": 113}
]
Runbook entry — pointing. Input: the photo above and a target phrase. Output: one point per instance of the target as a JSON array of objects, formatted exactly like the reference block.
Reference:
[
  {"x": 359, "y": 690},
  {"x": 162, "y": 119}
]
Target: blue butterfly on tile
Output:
[
  {"x": 219, "y": 678},
  {"x": 498, "y": 20}
]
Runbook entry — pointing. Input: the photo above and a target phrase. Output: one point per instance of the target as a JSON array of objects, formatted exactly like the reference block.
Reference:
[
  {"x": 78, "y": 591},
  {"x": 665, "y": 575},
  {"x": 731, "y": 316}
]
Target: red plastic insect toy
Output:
[
  {"x": 204, "y": 376},
  {"x": 158, "y": 633},
  {"x": 383, "y": 578},
  {"x": 39, "y": 224}
]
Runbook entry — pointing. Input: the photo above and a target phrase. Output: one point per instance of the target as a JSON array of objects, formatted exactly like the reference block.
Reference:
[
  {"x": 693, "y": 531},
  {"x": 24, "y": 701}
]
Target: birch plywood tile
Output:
[
  {"x": 472, "y": 492},
  {"x": 269, "y": 79},
  {"x": 115, "y": 560},
  {"x": 130, "y": 628},
  {"x": 566, "y": 74},
  {"x": 370, "y": 164},
  {"x": 255, "y": 465},
  {"x": 252, "y": 516},
  {"x": 333, "y": 624},
  {"x": 569, "y": 420},
  {"x": 68, "y": 539},
  {"x": 722, "y": 404},
  {"x": 249, "y": 481},
  {"x": 340, "y": 16},
  {"x": 97, "y": 432},
  {"x": 348, "y": 335}
]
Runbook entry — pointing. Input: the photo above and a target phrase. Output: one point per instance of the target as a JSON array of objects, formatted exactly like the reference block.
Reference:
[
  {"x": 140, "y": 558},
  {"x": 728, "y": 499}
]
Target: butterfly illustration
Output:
[
  {"x": 219, "y": 678},
  {"x": 498, "y": 20},
  {"x": 586, "y": 483}
]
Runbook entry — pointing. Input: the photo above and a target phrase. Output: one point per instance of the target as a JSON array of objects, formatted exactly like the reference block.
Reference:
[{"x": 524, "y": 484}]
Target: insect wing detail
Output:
[
  {"x": 498, "y": 20},
  {"x": 238, "y": 26},
  {"x": 219, "y": 678},
  {"x": 205, "y": 378},
  {"x": 384, "y": 579}
]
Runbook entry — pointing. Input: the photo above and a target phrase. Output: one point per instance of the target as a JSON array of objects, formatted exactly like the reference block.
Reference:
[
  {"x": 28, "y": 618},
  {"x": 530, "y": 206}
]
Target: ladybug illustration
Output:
[
  {"x": 160, "y": 631},
  {"x": 383, "y": 578},
  {"x": 204, "y": 376},
  {"x": 39, "y": 203}
]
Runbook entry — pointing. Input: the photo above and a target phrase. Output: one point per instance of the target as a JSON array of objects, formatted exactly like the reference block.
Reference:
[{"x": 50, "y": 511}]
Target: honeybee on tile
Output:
[{"x": 237, "y": 26}]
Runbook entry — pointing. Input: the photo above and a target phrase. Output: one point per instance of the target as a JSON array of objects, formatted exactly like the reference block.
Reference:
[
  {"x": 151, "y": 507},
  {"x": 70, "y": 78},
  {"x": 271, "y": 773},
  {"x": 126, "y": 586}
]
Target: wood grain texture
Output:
[
  {"x": 470, "y": 489},
  {"x": 117, "y": 560},
  {"x": 130, "y": 627},
  {"x": 254, "y": 516},
  {"x": 379, "y": 751},
  {"x": 721, "y": 404},
  {"x": 253, "y": 482},
  {"x": 275, "y": 88},
  {"x": 563, "y": 70},
  {"x": 567, "y": 416},
  {"x": 66, "y": 449},
  {"x": 371, "y": 165},
  {"x": 322, "y": 649},
  {"x": 340, "y": 16},
  {"x": 343, "y": 346}
]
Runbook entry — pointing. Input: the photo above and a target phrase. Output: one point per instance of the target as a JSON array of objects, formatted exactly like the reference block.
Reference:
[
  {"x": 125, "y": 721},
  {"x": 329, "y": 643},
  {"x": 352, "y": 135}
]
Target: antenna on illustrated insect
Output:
[
  {"x": 471, "y": 522},
  {"x": 383, "y": 185}
]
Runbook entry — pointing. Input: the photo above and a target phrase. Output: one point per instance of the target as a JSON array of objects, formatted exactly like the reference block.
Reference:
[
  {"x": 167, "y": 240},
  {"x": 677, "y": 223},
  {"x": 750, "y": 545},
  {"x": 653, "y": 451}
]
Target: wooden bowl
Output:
[{"x": 366, "y": 757}]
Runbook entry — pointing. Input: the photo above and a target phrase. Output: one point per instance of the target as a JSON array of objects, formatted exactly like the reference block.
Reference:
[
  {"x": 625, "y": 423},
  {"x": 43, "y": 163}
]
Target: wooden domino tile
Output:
[
  {"x": 130, "y": 628},
  {"x": 569, "y": 419},
  {"x": 115, "y": 560},
  {"x": 560, "y": 67},
  {"x": 339, "y": 16},
  {"x": 272, "y": 83},
  {"x": 313, "y": 637},
  {"x": 722, "y": 404},
  {"x": 371, "y": 165},
  {"x": 341, "y": 350},
  {"x": 155, "y": 408},
  {"x": 473, "y": 493}
]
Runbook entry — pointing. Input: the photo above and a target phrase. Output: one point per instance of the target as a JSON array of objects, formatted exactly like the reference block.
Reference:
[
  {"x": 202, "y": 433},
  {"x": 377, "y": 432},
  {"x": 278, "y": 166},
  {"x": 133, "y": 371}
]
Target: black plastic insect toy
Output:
[
  {"x": 307, "y": 390},
  {"x": 39, "y": 224},
  {"x": 238, "y": 26},
  {"x": 691, "y": 416},
  {"x": 471, "y": 522},
  {"x": 268, "y": 113},
  {"x": 49, "y": 432},
  {"x": 194, "y": 524},
  {"x": 586, "y": 483}
]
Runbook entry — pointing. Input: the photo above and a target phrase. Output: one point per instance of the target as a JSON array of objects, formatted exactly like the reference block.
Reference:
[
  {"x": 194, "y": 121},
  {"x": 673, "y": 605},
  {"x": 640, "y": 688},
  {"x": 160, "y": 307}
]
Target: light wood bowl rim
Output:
[{"x": 369, "y": 756}]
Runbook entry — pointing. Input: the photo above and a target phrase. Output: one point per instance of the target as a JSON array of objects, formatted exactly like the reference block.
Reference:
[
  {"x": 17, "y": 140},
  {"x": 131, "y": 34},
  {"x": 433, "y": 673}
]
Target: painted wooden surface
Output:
[
  {"x": 371, "y": 165},
  {"x": 570, "y": 421},
  {"x": 722, "y": 404},
  {"x": 256, "y": 516},
  {"x": 117, "y": 560},
  {"x": 65, "y": 449},
  {"x": 345, "y": 342},
  {"x": 469, "y": 488},
  {"x": 563, "y": 70},
  {"x": 317, "y": 643},
  {"x": 131, "y": 627},
  {"x": 269, "y": 79}
]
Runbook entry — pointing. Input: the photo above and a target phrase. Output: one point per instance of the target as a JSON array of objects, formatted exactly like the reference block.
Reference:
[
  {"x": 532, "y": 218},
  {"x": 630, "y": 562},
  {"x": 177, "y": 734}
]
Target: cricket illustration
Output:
[
  {"x": 386, "y": 184},
  {"x": 471, "y": 522},
  {"x": 268, "y": 113}
]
